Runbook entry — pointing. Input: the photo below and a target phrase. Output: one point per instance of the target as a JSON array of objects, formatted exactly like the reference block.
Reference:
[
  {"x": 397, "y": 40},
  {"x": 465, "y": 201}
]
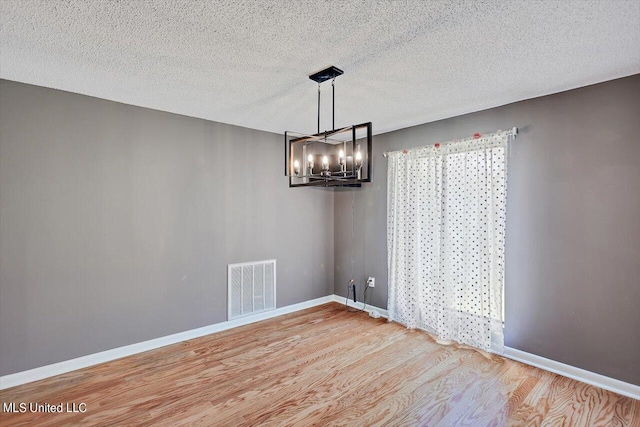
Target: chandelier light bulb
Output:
[
  {"x": 325, "y": 162},
  {"x": 310, "y": 164},
  {"x": 359, "y": 157}
]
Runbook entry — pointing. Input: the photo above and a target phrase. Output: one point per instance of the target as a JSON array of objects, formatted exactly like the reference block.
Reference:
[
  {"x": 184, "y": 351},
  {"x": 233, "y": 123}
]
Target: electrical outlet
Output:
[{"x": 371, "y": 282}]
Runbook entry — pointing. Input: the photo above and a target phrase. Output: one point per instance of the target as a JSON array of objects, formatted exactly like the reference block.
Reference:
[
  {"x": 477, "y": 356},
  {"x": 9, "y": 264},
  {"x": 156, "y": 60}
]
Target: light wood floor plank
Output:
[
  {"x": 536, "y": 404},
  {"x": 325, "y": 367}
]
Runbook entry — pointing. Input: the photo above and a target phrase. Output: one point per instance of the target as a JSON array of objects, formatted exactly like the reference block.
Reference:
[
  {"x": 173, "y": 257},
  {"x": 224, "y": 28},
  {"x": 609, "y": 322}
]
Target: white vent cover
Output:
[{"x": 252, "y": 288}]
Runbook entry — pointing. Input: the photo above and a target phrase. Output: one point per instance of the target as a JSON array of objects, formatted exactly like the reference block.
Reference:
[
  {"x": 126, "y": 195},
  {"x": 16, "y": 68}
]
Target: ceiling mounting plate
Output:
[{"x": 326, "y": 74}]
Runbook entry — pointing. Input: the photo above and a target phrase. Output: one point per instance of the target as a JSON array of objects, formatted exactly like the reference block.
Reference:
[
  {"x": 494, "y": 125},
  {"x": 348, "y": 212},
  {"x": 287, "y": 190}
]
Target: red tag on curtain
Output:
[{"x": 476, "y": 135}]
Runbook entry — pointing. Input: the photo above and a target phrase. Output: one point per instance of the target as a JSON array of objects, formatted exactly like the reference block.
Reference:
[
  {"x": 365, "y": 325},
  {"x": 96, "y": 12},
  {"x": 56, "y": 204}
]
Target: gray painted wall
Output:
[
  {"x": 573, "y": 223},
  {"x": 117, "y": 223}
]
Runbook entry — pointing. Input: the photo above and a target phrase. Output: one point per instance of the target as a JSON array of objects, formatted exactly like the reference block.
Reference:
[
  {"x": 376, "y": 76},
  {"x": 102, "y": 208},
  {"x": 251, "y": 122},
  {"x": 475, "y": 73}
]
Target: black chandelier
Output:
[{"x": 333, "y": 158}]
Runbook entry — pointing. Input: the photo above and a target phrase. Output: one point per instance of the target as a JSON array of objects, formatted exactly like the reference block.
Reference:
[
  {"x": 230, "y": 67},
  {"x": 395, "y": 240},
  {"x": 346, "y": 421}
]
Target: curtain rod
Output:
[{"x": 513, "y": 132}]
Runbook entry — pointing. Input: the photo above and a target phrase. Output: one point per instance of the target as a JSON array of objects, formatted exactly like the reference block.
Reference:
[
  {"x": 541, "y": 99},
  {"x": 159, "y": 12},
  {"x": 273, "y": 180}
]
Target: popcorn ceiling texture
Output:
[{"x": 246, "y": 63}]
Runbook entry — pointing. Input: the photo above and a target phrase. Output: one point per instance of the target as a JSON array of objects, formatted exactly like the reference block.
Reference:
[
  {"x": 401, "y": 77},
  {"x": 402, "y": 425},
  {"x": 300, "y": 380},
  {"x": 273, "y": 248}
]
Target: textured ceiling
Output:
[{"x": 246, "y": 63}]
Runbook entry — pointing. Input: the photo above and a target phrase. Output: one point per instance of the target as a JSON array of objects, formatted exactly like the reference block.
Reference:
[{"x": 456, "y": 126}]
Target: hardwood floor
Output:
[{"x": 321, "y": 366}]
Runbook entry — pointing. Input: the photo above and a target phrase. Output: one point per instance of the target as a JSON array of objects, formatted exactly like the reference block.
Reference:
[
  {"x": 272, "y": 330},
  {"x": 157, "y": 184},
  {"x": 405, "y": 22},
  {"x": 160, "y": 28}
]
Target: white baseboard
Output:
[
  {"x": 359, "y": 305},
  {"x": 12, "y": 380},
  {"x": 607, "y": 383},
  {"x": 42, "y": 372},
  {"x": 598, "y": 380}
]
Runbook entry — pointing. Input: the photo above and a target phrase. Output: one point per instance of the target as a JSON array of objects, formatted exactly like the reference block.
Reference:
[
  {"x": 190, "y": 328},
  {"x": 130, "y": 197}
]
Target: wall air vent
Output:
[{"x": 251, "y": 288}]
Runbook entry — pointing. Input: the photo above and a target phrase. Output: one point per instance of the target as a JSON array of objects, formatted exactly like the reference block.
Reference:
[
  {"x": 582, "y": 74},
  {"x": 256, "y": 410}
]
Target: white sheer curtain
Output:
[{"x": 445, "y": 239}]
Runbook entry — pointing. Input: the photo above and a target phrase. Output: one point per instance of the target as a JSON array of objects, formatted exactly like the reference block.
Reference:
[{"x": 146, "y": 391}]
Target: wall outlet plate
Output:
[{"x": 371, "y": 282}]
